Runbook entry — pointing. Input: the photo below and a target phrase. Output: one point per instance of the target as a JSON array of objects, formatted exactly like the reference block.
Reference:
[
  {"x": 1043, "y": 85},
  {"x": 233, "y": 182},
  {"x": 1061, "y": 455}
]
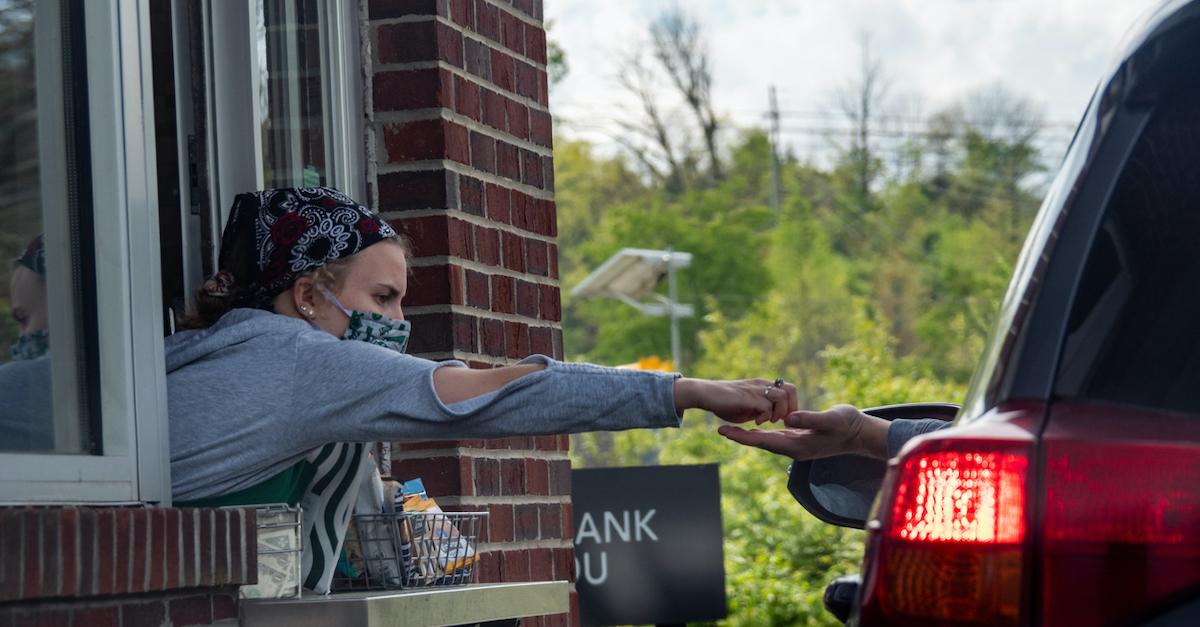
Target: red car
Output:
[{"x": 1067, "y": 491}]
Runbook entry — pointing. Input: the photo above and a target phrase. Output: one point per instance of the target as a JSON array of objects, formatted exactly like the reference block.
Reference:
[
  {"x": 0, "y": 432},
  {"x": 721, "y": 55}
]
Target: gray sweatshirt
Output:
[{"x": 251, "y": 395}]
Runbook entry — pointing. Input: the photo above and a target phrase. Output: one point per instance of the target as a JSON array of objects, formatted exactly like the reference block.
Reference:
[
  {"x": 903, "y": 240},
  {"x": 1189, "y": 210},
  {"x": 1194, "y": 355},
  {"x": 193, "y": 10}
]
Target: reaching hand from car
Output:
[{"x": 839, "y": 430}]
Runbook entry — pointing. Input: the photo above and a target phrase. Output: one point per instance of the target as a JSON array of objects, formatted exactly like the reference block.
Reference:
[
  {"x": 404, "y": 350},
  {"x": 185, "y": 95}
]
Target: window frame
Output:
[{"x": 134, "y": 465}]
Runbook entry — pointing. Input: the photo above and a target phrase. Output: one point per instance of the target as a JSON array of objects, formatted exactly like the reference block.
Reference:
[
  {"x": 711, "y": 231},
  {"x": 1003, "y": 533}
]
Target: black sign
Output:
[{"x": 648, "y": 544}]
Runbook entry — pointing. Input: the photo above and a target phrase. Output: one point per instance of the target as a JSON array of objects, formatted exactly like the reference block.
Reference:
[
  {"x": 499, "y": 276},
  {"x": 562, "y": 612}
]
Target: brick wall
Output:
[
  {"x": 459, "y": 158},
  {"x": 127, "y": 567}
]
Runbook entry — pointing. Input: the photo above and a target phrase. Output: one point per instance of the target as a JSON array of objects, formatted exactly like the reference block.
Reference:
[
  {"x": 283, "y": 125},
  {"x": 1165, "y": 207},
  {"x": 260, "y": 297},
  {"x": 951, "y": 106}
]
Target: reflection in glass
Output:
[
  {"x": 295, "y": 124},
  {"x": 34, "y": 146}
]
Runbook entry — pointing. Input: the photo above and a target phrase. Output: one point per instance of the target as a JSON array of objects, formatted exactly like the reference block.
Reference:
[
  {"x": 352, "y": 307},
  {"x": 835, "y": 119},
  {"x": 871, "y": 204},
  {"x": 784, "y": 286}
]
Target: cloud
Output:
[{"x": 937, "y": 50}]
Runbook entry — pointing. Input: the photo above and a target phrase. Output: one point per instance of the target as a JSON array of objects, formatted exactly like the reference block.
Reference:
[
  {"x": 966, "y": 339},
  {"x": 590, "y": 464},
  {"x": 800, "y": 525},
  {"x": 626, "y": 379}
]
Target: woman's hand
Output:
[
  {"x": 759, "y": 400},
  {"x": 839, "y": 430}
]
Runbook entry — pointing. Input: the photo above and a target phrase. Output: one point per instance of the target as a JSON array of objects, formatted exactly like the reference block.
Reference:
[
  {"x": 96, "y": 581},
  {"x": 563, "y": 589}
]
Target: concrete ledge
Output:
[{"x": 395, "y": 608}]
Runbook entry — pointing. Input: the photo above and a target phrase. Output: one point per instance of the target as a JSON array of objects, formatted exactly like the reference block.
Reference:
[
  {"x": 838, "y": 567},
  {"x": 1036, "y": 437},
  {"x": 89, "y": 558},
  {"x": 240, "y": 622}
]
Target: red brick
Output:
[
  {"x": 560, "y": 477},
  {"x": 429, "y": 235},
  {"x": 97, "y": 616},
  {"x": 537, "y": 477},
  {"x": 512, "y": 32},
  {"x": 550, "y": 517},
  {"x": 548, "y": 173},
  {"x": 487, "y": 245},
  {"x": 467, "y": 98},
  {"x": 515, "y": 566},
  {"x": 520, "y": 210},
  {"x": 518, "y": 119},
  {"x": 442, "y": 476},
  {"x": 539, "y": 341},
  {"x": 483, "y": 152},
  {"x": 568, "y": 520},
  {"x": 550, "y": 303},
  {"x": 458, "y": 289},
  {"x": 462, "y": 12},
  {"x": 462, "y": 238},
  {"x": 173, "y": 549},
  {"x": 123, "y": 555},
  {"x": 526, "y": 79},
  {"x": 512, "y": 477},
  {"x": 401, "y": 191},
  {"x": 417, "y": 140},
  {"x": 492, "y": 337},
  {"x": 487, "y": 477},
  {"x": 478, "y": 290},
  {"x": 69, "y": 525},
  {"x": 541, "y": 565},
  {"x": 436, "y": 335},
  {"x": 516, "y": 340},
  {"x": 499, "y": 207},
  {"x": 504, "y": 297},
  {"x": 508, "y": 162},
  {"x": 487, "y": 20},
  {"x": 470, "y": 194},
  {"x": 224, "y": 606},
  {"x": 450, "y": 45},
  {"x": 188, "y": 517},
  {"x": 552, "y": 259},
  {"x": 478, "y": 58},
  {"x": 564, "y": 442},
  {"x": 489, "y": 568},
  {"x": 220, "y": 548},
  {"x": 504, "y": 71},
  {"x": 531, "y": 168},
  {"x": 410, "y": 89},
  {"x": 428, "y": 285},
  {"x": 564, "y": 564},
  {"x": 194, "y": 610},
  {"x": 527, "y": 302},
  {"x": 512, "y": 251},
  {"x": 466, "y": 333},
  {"x": 500, "y": 522},
  {"x": 546, "y": 443},
  {"x": 536, "y": 259},
  {"x": 543, "y": 97},
  {"x": 527, "y": 7},
  {"x": 540, "y": 128},
  {"x": 495, "y": 109},
  {"x": 556, "y": 338},
  {"x": 408, "y": 42},
  {"x": 535, "y": 44},
  {"x": 153, "y": 613}
]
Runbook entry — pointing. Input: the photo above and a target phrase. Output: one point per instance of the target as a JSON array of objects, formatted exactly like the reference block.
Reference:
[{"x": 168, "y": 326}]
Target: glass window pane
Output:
[
  {"x": 1132, "y": 335},
  {"x": 45, "y": 377},
  {"x": 291, "y": 51}
]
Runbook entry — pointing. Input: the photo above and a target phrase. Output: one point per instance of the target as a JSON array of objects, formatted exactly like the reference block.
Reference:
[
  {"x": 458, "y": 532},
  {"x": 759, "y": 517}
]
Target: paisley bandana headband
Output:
[{"x": 290, "y": 232}]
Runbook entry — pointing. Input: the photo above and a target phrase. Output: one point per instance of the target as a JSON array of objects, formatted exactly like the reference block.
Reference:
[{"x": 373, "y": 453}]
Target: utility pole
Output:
[{"x": 775, "y": 182}]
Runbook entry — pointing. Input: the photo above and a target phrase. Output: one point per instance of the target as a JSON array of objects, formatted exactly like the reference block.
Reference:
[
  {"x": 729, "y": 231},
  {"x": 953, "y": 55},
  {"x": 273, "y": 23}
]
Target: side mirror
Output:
[{"x": 840, "y": 490}]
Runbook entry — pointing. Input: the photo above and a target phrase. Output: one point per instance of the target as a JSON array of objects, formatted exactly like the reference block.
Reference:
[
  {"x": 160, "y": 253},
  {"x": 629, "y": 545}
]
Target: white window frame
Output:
[{"x": 135, "y": 464}]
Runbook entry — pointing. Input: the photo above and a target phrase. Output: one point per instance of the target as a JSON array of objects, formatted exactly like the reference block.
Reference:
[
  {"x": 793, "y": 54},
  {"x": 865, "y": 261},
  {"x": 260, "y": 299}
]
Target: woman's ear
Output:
[{"x": 304, "y": 297}]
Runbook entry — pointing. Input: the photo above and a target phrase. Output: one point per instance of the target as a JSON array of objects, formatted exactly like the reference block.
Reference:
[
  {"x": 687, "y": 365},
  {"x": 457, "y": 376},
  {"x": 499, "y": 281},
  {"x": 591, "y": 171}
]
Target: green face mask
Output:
[
  {"x": 31, "y": 345},
  {"x": 373, "y": 328}
]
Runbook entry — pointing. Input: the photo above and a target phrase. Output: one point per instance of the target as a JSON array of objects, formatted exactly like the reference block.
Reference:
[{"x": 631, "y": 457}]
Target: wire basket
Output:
[{"x": 411, "y": 550}]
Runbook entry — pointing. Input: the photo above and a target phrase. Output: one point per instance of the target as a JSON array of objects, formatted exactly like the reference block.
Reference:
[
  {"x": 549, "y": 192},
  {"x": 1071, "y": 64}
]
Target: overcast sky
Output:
[{"x": 934, "y": 52}]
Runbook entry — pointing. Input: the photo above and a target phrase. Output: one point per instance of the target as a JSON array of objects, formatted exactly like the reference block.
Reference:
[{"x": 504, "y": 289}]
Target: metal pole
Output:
[
  {"x": 776, "y": 192},
  {"x": 672, "y": 304}
]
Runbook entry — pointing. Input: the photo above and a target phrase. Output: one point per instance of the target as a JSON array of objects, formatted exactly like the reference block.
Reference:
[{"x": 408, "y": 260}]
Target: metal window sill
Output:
[{"x": 393, "y": 608}]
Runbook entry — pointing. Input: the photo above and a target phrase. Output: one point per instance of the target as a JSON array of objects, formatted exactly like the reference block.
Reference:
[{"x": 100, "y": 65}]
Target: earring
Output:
[{"x": 306, "y": 311}]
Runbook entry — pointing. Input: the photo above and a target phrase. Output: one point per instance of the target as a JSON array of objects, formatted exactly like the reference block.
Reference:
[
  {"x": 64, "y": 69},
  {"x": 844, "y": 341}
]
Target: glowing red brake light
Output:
[
  {"x": 961, "y": 497},
  {"x": 951, "y": 542}
]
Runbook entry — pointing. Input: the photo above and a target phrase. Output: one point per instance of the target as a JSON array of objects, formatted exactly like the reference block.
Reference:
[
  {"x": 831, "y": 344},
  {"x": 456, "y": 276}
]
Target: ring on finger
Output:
[
  {"x": 778, "y": 382},
  {"x": 767, "y": 391}
]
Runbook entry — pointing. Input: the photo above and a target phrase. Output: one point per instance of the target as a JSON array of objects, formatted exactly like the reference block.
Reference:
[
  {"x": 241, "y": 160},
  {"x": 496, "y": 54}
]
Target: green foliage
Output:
[{"x": 868, "y": 299}]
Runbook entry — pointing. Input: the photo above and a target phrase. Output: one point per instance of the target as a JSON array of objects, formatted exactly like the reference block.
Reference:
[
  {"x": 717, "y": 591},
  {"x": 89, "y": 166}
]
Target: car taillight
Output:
[
  {"x": 1122, "y": 528},
  {"x": 951, "y": 548}
]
